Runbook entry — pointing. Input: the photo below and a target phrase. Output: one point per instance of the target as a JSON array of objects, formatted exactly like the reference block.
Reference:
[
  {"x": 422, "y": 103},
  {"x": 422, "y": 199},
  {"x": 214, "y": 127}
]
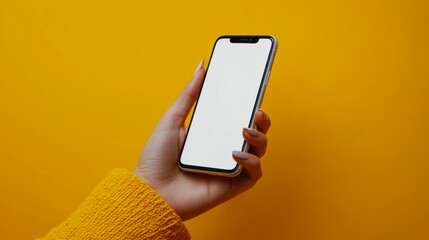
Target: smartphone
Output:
[{"x": 232, "y": 91}]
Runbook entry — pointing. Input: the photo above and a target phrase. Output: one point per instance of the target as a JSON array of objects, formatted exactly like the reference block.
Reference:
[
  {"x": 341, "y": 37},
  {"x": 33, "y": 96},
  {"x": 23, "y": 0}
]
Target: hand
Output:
[{"x": 191, "y": 194}]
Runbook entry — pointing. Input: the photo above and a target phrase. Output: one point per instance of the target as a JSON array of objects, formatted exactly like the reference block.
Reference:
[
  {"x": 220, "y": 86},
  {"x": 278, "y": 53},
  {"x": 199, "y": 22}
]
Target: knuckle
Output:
[
  {"x": 265, "y": 140},
  {"x": 259, "y": 175},
  {"x": 268, "y": 124}
]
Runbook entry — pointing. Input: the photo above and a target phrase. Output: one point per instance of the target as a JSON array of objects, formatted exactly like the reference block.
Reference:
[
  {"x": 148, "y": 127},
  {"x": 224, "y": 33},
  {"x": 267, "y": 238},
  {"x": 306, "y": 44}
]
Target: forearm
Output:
[{"x": 122, "y": 206}]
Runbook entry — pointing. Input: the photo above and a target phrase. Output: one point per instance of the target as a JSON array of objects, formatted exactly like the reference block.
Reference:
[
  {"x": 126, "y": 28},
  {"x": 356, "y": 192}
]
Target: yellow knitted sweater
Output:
[{"x": 122, "y": 206}]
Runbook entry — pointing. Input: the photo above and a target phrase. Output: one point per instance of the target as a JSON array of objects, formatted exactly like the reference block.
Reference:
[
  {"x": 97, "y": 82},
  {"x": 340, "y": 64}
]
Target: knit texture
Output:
[{"x": 122, "y": 206}]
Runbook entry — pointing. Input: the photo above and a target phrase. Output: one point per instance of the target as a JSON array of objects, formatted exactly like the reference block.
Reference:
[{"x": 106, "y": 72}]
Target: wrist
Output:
[{"x": 139, "y": 173}]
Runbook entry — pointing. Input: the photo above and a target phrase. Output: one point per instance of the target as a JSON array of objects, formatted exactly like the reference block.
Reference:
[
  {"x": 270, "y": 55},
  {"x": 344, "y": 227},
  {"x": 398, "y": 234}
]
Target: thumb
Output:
[{"x": 180, "y": 108}]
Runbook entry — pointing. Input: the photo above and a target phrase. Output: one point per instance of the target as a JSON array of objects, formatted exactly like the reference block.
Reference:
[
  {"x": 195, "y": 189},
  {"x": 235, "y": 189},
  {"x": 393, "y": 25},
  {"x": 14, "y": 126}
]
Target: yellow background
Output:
[{"x": 82, "y": 84}]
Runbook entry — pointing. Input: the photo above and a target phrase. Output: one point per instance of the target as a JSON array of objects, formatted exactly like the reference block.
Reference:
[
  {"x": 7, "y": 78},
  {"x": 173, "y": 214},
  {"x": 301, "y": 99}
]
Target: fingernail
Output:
[
  {"x": 241, "y": 155},
  {"x": 199, "y": 67},
  {"x": 265, "y": 115},
  {"x": 251, "y": 131}
]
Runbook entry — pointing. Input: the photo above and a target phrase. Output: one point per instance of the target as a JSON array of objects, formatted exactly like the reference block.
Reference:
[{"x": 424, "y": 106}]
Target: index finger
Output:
[{"x": 262, "y": 121}]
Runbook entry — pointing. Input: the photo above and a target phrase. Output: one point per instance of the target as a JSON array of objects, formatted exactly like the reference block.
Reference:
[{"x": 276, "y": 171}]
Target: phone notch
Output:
[{"x": 242, "y": 39}]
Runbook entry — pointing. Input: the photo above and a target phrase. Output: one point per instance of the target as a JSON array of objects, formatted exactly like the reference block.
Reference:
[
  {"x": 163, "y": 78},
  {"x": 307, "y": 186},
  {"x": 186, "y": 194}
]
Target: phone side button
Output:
[{"x": 267, "y": 77}]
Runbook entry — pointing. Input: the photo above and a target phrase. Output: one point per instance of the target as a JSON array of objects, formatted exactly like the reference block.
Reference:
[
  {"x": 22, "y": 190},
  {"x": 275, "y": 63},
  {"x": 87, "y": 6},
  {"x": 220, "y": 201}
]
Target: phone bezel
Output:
[{"x": 234, "y": 39}]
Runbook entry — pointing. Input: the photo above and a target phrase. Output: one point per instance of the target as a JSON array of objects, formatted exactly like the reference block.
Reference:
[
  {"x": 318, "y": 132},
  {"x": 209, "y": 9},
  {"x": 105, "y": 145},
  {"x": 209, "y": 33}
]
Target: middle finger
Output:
[{"x": 257, "y": 140}]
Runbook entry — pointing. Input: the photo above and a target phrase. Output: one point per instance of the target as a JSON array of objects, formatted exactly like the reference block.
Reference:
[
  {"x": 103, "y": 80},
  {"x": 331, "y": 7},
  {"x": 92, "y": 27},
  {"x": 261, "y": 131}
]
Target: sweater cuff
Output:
[{"x": 122, "y": 206}]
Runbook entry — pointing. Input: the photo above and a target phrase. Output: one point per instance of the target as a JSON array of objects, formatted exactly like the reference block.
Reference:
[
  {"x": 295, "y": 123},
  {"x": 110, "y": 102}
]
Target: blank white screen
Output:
[{"x": 226, "y": 103}]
